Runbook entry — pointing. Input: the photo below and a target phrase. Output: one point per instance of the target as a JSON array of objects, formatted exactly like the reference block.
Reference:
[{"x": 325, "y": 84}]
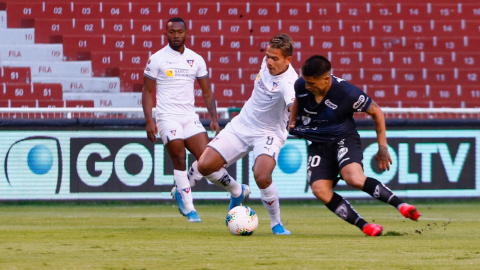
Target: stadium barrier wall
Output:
[{"x": 111, "y": 159}]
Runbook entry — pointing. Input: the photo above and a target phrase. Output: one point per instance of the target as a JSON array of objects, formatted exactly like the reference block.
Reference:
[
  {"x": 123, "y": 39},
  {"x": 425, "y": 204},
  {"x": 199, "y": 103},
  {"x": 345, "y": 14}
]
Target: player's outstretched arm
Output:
[
  {"x": 209, "y": 103},
  {"x": 293, "y": 114},
  {"x": 149, "y": 87},
  {"x": 382, "y": 156}
]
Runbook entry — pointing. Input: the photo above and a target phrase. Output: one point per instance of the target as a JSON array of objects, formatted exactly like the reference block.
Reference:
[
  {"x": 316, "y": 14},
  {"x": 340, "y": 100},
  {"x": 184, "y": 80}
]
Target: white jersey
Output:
[
  {"x": 266, "y": 111},
  {"x": 175, "y": 74}
]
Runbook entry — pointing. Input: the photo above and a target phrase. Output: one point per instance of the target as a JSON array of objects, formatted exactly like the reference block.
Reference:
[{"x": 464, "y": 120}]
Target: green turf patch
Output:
[{"x": 156, "y": 236}]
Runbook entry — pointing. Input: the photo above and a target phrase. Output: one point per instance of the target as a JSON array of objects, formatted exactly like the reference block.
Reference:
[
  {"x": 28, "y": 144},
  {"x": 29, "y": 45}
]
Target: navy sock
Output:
[
  {"x": 345, "y": 211},
  {"x": 379, "y": 191}
]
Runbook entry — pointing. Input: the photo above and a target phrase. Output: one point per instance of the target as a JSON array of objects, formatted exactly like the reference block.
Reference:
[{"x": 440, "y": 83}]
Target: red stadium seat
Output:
[
  {"x": 48, "y": 91},
  {"x": 450, "y": 27},
  {"x": 222, "y": 59},
  {"x": 231, "y": 75},
  {"x": 102, "y": 60},
  {"x": 360, "y": 44},
  {"x": 117, "y": 10},
  {"x": 23, "y": 104},
  {"x": 146, "y": 10},
  {"x": 385, "y": 11},
  {"x": 442, "y": 76},
  {"x": 168, "y": 10},
  {"x": 131, "y": 79},
  {"x": 79, "y": 103},
  {"x": 340, "y": 60},
  {"x": 410, "y": 76},
  {"x": 466, "y": 59},
  {"x": 471, "y": 11},
  {"x": 87, "y": 27},
  {"x": 296, "y": 28},
  {"x": 267, "y": 28},
  {"x": 358, "y": 28},
  {"x": 25, "y": 10},
  {"x": 351, "y": 75},
  {"x": 378, "y": 60},
  {"x": 15, "y": 75},
  {"x": 261, "y": 11},
  {"x": 414, "y": 11},
  {"x": 445, "y": 11},
  {"x": 74, "y": 44},
  {"x": 234, "y": 27},
  {"x": 468, "y": 76},
  {"x": 469, "y": 27},
  {"x": 204, "y": 27},
  {"x": 354, "y": 11},
  {"x": 376, "y": 76},
  {"x": 44, "y": 28},
  {"x": 438, "y": 59},
  {"x": 386, "y": 28},
  {"x": 472, "y": 95},
  {"x": 86, "y": 10},
  {"x": 446, "y": 93},
  {"x": 135, "y": 59},
  {"x": 204, "y": 11},
  {"x": 231, "y": 10},
  {"x": 231, "y": 95},
  {"x": 295, "y": 11},
  {"x": 417, "y": 27},
  {"x": 325, "y": 27},
  {"x": 380, "y": 93},
  {"x": 325, "y": 11}
]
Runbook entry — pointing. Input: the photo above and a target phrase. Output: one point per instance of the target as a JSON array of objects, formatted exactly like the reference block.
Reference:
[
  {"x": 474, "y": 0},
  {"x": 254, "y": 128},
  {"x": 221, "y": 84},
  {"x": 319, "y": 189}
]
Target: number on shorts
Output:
[{"x": 313, "y": 161}]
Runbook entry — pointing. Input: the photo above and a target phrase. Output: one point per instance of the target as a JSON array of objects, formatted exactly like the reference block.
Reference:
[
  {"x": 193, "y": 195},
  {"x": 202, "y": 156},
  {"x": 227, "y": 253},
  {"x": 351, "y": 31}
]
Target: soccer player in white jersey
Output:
[
  {"x": 260, "y": 127},
  {"x": 172, "y": 72}
]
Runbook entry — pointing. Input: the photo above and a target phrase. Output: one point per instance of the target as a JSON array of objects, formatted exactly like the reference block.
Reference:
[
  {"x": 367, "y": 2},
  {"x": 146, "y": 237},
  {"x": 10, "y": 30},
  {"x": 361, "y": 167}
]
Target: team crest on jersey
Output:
[
  {"x": 174, "y": 132},
  {"x": 170, "y": 73},
  {"x": 190, "y": 62},
  {"x": 275, "y": 85},
  {"x": 306, "y": 120},
  {"x": 149, "y": 61}
]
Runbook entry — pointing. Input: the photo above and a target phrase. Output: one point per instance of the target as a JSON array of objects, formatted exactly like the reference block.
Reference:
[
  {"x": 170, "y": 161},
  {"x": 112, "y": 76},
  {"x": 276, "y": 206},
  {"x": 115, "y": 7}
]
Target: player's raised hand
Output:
[
  {"x": 383, "y": 158},
  {"x": 214, "y": 126},
  {"x": 152, "y": 131}
]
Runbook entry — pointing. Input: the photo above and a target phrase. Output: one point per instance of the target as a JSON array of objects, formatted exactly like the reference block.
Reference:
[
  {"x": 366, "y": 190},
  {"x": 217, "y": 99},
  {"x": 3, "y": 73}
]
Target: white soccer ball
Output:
[{"x": 242, "y": 220}]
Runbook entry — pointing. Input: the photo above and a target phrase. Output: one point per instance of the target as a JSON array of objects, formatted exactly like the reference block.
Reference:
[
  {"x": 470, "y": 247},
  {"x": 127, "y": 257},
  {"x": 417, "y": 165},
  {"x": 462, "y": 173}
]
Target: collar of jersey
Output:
[{"x": 173, "y": 52}]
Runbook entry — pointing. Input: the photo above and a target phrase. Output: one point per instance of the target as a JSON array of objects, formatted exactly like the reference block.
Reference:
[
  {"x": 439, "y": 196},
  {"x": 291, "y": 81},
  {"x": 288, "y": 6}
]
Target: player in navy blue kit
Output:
[{"x": 323, "y": 114}]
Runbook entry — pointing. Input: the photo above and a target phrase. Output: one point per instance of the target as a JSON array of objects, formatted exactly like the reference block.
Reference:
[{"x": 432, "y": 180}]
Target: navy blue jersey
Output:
[{"x": 333, "y": 116}]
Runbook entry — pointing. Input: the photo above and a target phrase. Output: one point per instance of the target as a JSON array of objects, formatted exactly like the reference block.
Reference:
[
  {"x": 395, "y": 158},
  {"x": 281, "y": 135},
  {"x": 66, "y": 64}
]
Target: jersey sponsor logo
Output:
[
  {"x": 341, "y": 153},
  {"x": 330, "y": 104},
  {"x": 342, "y": 211},
  {"x": 174, "y": 132},
  {"x": 307, "y": 111},
  {"x": 269, "y": 203},
  {"x": 304, "y": 95},
  {"x": 306, "y": 120},
  {"x": 361, "y": 100},
  {"x": 170, "y": 73},
  {"x": 190, "y": 62},
  {"x": 262, "y": 86}
]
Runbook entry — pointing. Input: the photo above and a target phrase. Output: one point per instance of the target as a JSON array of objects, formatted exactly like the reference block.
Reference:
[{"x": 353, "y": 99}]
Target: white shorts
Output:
[
  {"x": 178, "y": 127},
  {"x": 232, "y": 145}
]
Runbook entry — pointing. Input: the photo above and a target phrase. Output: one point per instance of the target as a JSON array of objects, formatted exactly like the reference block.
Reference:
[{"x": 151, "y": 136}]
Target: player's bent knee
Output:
[{"x": 356, "y": 181}]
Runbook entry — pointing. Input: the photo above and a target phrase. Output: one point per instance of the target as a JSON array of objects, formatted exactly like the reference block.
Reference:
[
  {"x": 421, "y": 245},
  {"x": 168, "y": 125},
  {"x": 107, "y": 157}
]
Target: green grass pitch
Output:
[{"x": 156, "y": 236}]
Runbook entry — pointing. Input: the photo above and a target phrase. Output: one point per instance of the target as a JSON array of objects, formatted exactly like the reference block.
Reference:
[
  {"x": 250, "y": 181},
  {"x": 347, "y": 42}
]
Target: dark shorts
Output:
[{"x": 326, "y": 160}]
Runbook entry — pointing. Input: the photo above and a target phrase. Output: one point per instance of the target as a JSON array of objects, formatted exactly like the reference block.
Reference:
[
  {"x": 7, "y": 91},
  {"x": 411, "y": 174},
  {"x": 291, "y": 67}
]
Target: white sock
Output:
[
  {"x": 183, "y": 187},
  {"x": 222, "y": 179},
  {"x": 271, "y": 202},
  {"x": 194, "y": 175}
]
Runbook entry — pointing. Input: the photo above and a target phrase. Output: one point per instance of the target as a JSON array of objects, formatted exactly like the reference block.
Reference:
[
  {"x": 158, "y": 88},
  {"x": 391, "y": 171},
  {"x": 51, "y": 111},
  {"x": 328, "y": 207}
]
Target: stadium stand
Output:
[{"x": 404, "y": 54}]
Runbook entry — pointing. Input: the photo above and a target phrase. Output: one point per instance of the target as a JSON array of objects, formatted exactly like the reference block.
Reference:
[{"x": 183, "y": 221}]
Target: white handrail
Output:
[{"x": 223, "y": 111}]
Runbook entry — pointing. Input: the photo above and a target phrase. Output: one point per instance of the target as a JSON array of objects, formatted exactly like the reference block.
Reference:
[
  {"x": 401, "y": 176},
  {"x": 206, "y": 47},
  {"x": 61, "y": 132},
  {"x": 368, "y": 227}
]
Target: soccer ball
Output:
[{"x": 242, "y": 220}]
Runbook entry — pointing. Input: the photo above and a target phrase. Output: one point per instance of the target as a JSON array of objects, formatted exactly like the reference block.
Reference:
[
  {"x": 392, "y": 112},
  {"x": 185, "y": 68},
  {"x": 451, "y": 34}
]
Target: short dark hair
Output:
[
  {"x": 177, "y": 19},
  {"x": 316, "y": 66},
  {"x": 284, "y": 43}
]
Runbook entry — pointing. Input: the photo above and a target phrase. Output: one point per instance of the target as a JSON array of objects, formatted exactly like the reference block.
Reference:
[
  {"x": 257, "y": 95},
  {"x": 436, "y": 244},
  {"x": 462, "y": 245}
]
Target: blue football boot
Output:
[
  {"x": 177, "y": 197},
  {"x": 234, "y": 202},
  {"x": 280, "y": 230},
  {"x": 193, "y": 217}
]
